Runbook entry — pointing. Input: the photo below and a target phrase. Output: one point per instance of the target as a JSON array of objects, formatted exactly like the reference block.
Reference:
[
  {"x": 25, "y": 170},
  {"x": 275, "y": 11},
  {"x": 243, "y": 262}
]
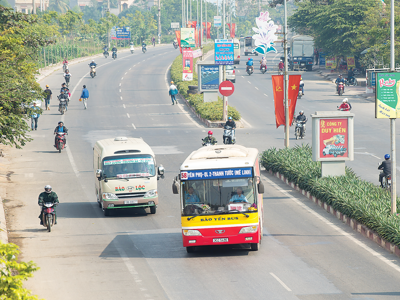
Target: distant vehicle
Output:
[
  {"x": 249, "y": 45},
  {"x": 334, "y": 150},
  {"x": 236, "y": 51},
  {"x": 230, "y": 73},
  {"x": 302, "y": 52}
]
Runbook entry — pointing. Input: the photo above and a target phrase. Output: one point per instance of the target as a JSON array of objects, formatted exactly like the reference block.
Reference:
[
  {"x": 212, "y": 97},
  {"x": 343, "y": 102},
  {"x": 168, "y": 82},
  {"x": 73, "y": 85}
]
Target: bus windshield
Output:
[
  {"x": 132, "y": 166},
  {"x": 218, "y": 196}
]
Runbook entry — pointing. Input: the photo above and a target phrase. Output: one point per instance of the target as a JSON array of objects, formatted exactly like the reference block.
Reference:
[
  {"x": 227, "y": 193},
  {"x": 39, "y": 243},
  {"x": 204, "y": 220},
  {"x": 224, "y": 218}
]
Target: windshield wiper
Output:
[
  {"x": 114, "y": 178},
  {"x": 192, "y": 217},
  {"x": 228, "y": 211}
]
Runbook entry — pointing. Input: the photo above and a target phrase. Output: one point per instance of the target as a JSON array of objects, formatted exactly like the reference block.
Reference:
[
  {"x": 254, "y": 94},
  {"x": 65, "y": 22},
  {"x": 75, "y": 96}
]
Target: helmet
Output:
[
  {"x": 251, "y": 59},
  {"x": 47, "y": 85},
  {"x": 301, "y": 78},
  {"x": 210, "y": 132},
  {"x": 84, "y": 86},
  {"x": 345, "y": 100},
  {"x": 387, "y": 156},
  {"x": 172, "y": 82},
  {"x": 229, "y": 118},
  {"x": 47, "y": 189},
  {"x": 61, "y": 122},
  {"x": 62, "y": 91},
  {"x": 301, "y": 112},
  {"x": 340, "y": 75},
  {"x": 248, "y": 58},
  {"x": 92, "y": 60}
]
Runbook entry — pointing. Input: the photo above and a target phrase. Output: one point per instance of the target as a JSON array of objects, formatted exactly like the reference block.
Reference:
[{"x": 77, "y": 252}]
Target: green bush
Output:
[
  {"x": 13, "y": 274},
  {"x": 356, "y": 198},
  {"x": 212, "y": 111}
]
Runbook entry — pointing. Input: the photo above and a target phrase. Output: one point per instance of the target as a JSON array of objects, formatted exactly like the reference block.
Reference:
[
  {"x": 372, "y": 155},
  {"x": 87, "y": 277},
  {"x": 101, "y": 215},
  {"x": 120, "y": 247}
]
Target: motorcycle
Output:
[
  {"x": 387, "y": 182},
  {"x": 114, "y": 55},
  {"x": 263, "y": 69},
  {"x": 229, "y": 135},
  {"x": 132, "y": 50},
  {"x": 352, "y": 81},
  {"x": 175, "y": 45},
  {"x": 93, "y": 71},
  {"x": 340, "y": 88},
  {"x": 144, "y": 49},
  {"x": 249, "y": 70},
  {"x": 62, "y": 107},
  {"x": 60, "y": 141},
  {"x": 65, "y": 67},
  {"x": 299, "y": 130},
  {"x": 300, "y": 94},
  {"x": 105, "y": 53},
  {"x": 48, "y": 215}
]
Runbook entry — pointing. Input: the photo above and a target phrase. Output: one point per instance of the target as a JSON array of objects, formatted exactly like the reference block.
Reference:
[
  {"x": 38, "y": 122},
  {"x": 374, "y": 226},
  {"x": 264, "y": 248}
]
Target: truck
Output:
[
  {"x": 249, "y": 46},
  {"x": 302, "y": 52}
]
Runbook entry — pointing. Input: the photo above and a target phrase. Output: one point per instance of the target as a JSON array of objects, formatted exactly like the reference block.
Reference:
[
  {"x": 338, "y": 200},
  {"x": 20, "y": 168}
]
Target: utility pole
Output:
[
  {"x": 187, "y": 11},
  {"x": 159, "y": 21},
  {"x": 217, "y": 15},
  {"x": 108, "y": 29},
  {"x": 393, "y": 121},
  {"x": 286, "y": 82},
  {"x": 206, "y": 22},
  {"x": 224, "y": 99},
  {"x": 201, "y": 23}
]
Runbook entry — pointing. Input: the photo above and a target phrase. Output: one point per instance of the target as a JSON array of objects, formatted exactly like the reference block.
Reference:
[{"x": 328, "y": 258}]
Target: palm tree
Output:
[{"x": 58, "y": 5}]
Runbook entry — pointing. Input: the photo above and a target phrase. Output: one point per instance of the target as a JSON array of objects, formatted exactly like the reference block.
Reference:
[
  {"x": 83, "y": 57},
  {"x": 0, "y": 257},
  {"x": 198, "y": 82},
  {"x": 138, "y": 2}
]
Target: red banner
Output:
[
  {"x": 278, "y": 87},
  {"x": 196, "y": 37},
  {"x": 192, "y": 24},
  {"x": 178, "y": 38},
  {"x": 207, "y": 30},
  {"x": 232, "y": 29}
]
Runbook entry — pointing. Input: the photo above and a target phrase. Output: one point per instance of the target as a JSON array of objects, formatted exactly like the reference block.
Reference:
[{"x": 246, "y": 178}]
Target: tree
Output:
[{"x": 60, "y": 6}]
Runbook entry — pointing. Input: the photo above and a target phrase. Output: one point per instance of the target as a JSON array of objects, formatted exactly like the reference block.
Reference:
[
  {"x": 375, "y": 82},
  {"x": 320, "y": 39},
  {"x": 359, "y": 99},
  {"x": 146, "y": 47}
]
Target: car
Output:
[{"x": 230, "y": 73}]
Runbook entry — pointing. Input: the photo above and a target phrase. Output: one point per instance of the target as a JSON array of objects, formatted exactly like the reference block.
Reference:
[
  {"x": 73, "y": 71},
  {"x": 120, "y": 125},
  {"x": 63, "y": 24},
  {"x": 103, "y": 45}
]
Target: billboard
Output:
[
  {"x": 209, "y": 75},
  {"x": 175, "y": 25},
  {"x": 123, "y": 33},
  {"x": 187, "y": 38},
  {"x": 187, "y": 56},
  {"x": 387, "y": 104},
  {"x": 217, "y": 21},
  {"x": 224, "y": 52}
]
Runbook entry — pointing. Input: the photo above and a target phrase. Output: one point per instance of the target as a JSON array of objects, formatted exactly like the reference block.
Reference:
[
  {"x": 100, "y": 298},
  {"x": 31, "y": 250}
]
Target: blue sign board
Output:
[
  {"x": 123, "y": 33},
  {"x": 322, "y": 59},
  {"x": 224, "y": 52},
  {"x": 373, "y": 78},
  {"x": 216, "y": 174},
  {"x": 209, "y": 77}
]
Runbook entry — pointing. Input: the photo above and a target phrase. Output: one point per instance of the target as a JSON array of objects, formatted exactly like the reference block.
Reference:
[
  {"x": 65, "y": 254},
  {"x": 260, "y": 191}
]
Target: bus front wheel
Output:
[
  {"x": 254, "y": 247},
  {"x": 190, "y": 249}
]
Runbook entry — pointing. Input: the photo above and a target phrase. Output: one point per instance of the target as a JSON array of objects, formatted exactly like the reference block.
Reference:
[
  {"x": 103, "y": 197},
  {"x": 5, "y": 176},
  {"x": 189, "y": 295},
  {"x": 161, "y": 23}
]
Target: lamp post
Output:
[
  {"x": 159, "y": 21},
  {"x": 286, "y": 82}
]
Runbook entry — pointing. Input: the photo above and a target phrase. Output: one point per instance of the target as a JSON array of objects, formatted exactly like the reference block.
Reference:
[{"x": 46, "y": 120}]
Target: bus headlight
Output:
[
  {"x": 250, "y": 229},
  {"x": 109, "y": 196},
  {"x": 191, "y": 232},
  {"x": 150, "y": 194}
]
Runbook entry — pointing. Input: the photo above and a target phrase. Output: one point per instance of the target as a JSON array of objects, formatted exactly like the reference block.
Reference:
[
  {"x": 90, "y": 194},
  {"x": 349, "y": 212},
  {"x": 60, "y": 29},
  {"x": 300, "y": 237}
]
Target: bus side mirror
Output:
[
  {"x": 175, "y": 186},
  {"x": 260, "y": 187},
  {"x": 161, "y": 171},
  {"x": 99, "y": 174}
]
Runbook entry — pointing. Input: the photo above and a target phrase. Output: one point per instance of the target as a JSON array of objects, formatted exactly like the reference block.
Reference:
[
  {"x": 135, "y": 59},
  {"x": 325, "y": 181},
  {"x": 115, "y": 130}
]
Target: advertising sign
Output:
[
  {"x": 197, "y": 53},
  {"x": 224, "y": 52},
  {"x": 175, "y": 25},
  {"x": 351, "y": 62},
  {"x": 187, "y": 56},
  {"x": 123, "y": 33},
  {"x": 216, "y": 174},
  {"x": 209, "y": 77},
  {"x": 187, "y": 38},
  {"x": 330, "y": 62},
  {"x": 333, "y": 137},
  {"x": 387, "y": 104},
  {"x": 217, "y": 21}
]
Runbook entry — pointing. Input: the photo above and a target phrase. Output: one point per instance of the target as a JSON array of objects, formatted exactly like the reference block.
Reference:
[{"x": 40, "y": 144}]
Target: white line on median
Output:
[
  {"x": 123, "y": 105},
  {"x": 265, "y": 95},
  {"x": 122, "y": 78},
  {"x": 120, "y": 90},
  {"x": 128, "y": 115},
  {"x": 120, "y": 84},
  {"x": 248, "y": 81},
  {"x": 121, "y": 97},
  {"x": 134, "y": 126},
  {"x": 256, "y": 88},
  {"x": 281, "y": 282},
  {"x": 247, "y": 123},
  {"x": 342, "y": 232}
]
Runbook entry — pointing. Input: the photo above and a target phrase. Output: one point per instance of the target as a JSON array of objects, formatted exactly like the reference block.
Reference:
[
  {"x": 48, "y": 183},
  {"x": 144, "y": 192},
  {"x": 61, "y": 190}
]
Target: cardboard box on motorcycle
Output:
[{"x": 126, "y": 174}]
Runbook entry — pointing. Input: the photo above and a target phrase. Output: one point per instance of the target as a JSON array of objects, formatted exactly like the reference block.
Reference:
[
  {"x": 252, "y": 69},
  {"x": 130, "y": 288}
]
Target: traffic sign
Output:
[{"x": 226, "y": 88}]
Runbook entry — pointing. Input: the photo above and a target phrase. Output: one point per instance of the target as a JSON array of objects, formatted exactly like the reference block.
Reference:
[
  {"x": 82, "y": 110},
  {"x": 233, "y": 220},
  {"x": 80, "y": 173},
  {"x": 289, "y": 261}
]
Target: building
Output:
[{"x": 25, "y": 6}]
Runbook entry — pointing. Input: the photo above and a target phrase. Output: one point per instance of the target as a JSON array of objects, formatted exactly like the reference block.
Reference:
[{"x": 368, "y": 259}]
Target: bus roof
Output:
[
  {"x": 123, "y": 146},
  {"x": 219, "y": 157}
]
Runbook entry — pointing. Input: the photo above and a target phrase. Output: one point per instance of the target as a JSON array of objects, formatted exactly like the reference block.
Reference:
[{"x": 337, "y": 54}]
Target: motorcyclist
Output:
[
  {"x": 230, "y": 123},
  {"x": 45, "y": 197},
  {"x": 338, "y": 80},
  {"x": 281, "y": 65},
  {"x": 301, "y": 118},
  {"x": 93, "y": 64},
  {"x": 249, "y": 64},
  {"x": 105, "y": 48},
  {"x": 64, "y": 89},
  {"x": 302, "y": 85},
  {"x": 386, "y": 167},
  {"x": 263, "y": 62},
  {"x": 60, "y": 128},
  {"x": 63, "y": 97},
  {"x": 131, "y": 47},
  {"x": 209, "y": 139},
  {"x": 65, "y": 61},
  {"x": 350, "y": 75},
  {"x": 67, "y": 76},
  {"x": 144, "y": 45},
  {"x": 344, "y": 106}
]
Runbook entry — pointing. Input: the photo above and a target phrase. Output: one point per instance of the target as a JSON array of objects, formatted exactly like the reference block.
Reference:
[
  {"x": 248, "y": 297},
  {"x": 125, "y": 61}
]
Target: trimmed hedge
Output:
[
  {"x": 358, "y": 199},
  {"x": 212, "y": 111}
]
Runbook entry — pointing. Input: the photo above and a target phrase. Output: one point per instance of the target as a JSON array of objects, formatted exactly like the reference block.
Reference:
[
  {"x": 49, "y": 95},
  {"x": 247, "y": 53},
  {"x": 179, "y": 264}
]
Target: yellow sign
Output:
[
  {"x": 219, "y": 220},
  {"x": 351, "y": 63},
  {"x": 330, "y": 62}
]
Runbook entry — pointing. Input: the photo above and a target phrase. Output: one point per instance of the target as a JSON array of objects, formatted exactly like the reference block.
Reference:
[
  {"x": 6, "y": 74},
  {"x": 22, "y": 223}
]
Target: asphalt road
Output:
[{"x": 306, "y": 253}]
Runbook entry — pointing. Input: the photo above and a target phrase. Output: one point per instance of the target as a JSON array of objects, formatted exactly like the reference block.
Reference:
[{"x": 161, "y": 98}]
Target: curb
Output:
[
  {"x": 360, "y": 228},
  {"x": 3, "y": 224}
]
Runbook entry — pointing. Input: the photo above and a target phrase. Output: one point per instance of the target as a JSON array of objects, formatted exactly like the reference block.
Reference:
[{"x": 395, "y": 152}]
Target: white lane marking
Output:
[
  {"x": 248, "y": 81},
  {"x": 120, "y": 90},
  {"x": 128, "y": 115},
  {"x": 180, "y": 106},
  {"x": 130, "y": 69},
  {"x": 343, "y": 233},
  {"x": 247, "y": 123},
  {"x": 121, "y": 97},
  {"x": 120, "y": 84},
  {"x": 256, "y": 88},
  {"x": 133, "y": 125},
  {"x": 281, "y": 282},
  {"x": 242, "y": 76},
  {"x": 125, "y": 73},
  {"x": 72, "y": 161},
  {"x": 265, "y": 95},
  {"x": 122, "y": 78},
  {"x": 123, "y": 105},
  {"x": 367, "y": 153}
]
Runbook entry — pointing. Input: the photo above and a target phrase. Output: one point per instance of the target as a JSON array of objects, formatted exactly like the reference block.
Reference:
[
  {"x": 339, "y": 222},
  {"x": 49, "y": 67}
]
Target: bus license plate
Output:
[
  {"x": 130, "y": 202},
  {"x": 224, "y": 240}
]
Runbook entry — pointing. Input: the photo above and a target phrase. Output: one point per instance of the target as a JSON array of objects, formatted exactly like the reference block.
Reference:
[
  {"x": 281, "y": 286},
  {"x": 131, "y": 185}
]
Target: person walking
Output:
[
  {"x": 47, "y": 95},
  {"x": 34, "y": 116},
  {"x": 84, "y": 96},
  {"x": 172, "y": 92}
]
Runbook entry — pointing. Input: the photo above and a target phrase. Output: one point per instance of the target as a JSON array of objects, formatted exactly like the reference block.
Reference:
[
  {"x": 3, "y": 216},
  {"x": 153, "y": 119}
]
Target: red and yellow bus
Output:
[{"x": 221, "y": 196}]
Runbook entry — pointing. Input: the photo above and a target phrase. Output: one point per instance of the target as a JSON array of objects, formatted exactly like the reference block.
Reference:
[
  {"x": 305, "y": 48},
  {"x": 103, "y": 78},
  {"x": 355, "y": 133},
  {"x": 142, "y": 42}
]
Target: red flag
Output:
[
  {"x": 196, "y": 37},
  {"x": 232, "y": 30},
  {"x": 192, "y": 24},
  {"x": 178, "y": 38},
  {"x": 279, "y": 95},
  {"x": 209, "y": 30}
]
